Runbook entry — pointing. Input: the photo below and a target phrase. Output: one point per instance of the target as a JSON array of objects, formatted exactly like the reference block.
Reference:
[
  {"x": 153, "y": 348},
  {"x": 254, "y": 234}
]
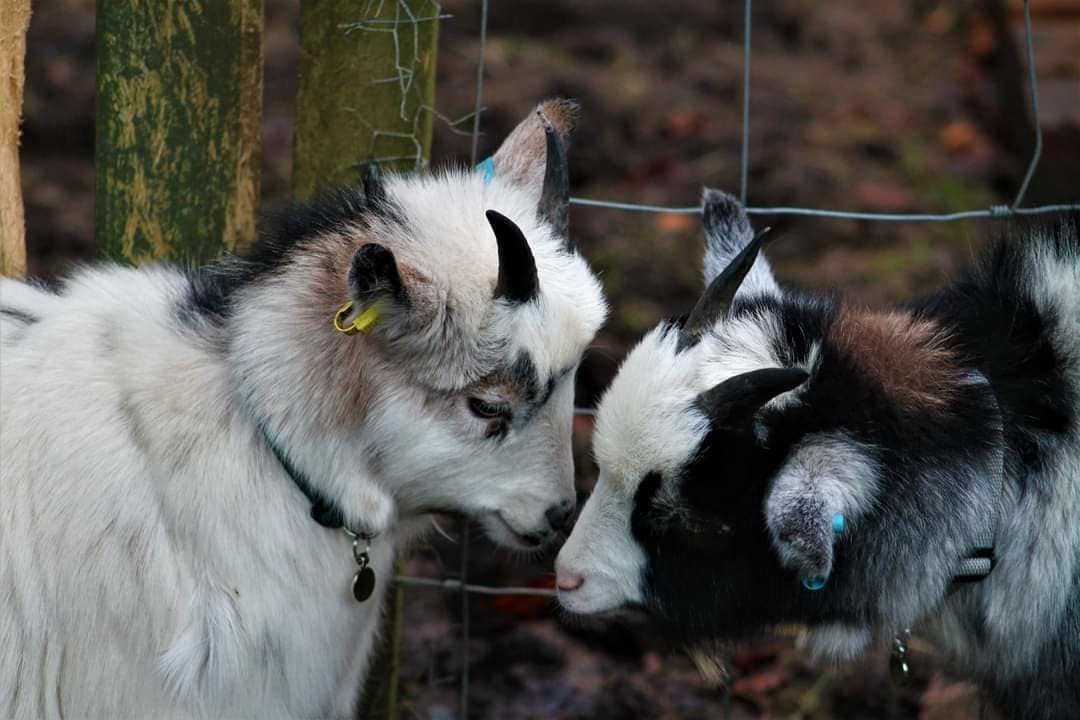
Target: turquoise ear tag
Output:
[
  {"x": 817, "y": 582},
  {"x": 838, "y": 523},
  {"x": 487, "y": 169}
]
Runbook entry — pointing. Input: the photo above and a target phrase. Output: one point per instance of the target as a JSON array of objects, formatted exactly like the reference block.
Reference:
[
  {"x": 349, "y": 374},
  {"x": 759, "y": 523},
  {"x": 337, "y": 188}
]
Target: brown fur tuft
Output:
[{"x": 908, "y": 357}]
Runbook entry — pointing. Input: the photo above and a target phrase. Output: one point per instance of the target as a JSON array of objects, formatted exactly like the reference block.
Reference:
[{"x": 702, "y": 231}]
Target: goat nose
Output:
[
  {"x": 569, "y": 582},
  {"x": 558, "y": 514}
]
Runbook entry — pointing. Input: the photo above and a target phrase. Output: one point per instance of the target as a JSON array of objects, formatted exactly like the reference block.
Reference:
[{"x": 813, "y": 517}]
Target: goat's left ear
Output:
[
  {"x": 827, "y": 482},
  {"x": 376, "y": 289}
]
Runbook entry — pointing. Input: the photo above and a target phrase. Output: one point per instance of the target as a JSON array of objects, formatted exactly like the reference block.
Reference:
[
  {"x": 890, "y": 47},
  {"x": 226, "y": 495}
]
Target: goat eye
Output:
[{"x": 488, "y": 411}]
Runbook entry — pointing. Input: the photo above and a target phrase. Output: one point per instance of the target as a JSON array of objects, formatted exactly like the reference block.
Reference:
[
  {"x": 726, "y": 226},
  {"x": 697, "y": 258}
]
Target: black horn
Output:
[
  {"x": 555, "y": 197},
  {"x": 517, "y": 267},
  {"x": 733, "y": 402},
  {"x": 716, "y": 300}
]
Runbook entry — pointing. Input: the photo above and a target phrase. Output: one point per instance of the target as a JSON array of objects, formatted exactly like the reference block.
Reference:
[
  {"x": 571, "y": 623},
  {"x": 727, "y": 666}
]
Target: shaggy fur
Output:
[
  {"x": 156, "y": 560},
  {"x": 903, "y": 425}
]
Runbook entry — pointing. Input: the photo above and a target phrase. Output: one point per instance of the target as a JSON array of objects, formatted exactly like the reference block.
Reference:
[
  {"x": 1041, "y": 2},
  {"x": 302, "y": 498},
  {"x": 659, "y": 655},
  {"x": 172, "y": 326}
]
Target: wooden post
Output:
[
  {"x": 367, "y": 84},
  {"x": 14, "y": 20},
  {"x": 179, "y": 106}
]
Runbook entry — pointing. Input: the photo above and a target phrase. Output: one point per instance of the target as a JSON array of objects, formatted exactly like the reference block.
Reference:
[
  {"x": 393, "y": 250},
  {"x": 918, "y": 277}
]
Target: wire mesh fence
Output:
[{"x": 407, "y": 22}]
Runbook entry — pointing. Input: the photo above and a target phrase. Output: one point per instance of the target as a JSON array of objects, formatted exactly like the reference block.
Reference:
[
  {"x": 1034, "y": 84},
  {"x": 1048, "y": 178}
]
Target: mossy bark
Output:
[
  {"x": 14, "y": 20},
  {"x": 367, "y": 83},
  {"x": 179, "y": 105}
]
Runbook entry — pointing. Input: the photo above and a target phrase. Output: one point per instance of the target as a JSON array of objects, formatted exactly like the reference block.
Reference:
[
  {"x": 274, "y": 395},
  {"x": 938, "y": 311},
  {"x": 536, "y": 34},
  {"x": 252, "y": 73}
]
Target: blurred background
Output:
[{"x": 887, "y": 106}]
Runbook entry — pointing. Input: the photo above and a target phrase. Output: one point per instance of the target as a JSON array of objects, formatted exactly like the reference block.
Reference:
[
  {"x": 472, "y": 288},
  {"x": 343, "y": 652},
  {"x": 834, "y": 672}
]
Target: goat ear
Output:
[
  {"x": 827, "y": 482},
  {"x": 534, "y": 157},
  {"x": 727, "y": 233},
  {"x": 374, "y": 277}
]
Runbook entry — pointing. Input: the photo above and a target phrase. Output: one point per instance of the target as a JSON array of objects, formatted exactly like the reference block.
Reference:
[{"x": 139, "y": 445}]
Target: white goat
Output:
[{"x": 159, "y": 431}]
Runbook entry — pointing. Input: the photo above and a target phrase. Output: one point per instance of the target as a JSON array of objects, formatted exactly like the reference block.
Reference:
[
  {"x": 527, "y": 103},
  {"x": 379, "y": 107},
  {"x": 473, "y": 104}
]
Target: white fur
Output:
[
  {"x": 837, "y": 641},
  {"x": 603, "y": 552}
]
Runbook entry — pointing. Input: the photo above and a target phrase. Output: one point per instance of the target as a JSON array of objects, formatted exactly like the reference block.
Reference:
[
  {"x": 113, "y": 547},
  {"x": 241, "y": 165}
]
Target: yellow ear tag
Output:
[{"x": 361, "y": 323}]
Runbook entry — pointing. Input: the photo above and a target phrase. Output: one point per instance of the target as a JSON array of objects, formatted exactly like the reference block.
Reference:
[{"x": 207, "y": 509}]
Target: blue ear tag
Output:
[
  {"x": 818, "y": 582},
  {"x": 838, "y": 523},
  {"x": 487, "y": 168}
]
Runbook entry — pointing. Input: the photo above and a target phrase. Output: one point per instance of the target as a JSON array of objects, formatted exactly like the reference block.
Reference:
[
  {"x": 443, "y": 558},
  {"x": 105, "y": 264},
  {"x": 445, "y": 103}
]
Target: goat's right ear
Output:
[
  {"x": 533, "y": 157},
  {"x": 727, "y": 232}
]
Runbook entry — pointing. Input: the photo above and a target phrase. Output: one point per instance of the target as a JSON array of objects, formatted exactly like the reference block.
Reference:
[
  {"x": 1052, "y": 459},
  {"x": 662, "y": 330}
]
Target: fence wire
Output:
[{"x": 408, "y": 22}]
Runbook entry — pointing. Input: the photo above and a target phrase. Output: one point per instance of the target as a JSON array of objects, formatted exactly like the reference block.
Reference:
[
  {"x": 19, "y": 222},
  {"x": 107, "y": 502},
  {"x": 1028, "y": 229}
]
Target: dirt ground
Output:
[{"x": 884, "y": 106}]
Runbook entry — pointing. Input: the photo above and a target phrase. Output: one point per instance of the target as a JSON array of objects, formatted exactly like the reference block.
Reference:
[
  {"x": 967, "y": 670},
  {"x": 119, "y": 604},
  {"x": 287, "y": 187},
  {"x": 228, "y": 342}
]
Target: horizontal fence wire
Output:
[
  {"x": 461, "y": 585},
  {"x": 994, "y": 212}
]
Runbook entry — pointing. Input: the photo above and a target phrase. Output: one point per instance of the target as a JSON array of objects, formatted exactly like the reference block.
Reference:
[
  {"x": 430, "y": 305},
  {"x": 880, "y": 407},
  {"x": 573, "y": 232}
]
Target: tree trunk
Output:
[
  {"x": 367, "y": 83},
  {"x": 179, "y": 105},
  {"x": 14, "y": 20}
]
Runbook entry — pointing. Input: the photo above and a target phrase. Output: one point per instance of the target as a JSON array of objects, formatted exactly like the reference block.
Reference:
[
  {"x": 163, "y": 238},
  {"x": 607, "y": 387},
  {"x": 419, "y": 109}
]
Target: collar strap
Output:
[
  {"x": 323, "y": 510},
  {"x": 979, "y": 561}
]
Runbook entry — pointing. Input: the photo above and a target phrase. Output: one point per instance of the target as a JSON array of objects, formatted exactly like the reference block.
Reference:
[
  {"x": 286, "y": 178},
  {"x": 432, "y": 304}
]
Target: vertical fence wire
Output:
[
  {"x": 461, "y": 585},
  {"x": 466, "y": 637},
  {"x": 744, "y": 155},
  {"x": 1033, "y": 92}
]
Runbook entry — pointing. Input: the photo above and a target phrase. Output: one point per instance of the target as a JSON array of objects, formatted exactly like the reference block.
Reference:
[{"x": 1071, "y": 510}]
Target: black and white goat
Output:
[
  {"x": 168, "y": 439},
  {"x": 781, "y": 458}
]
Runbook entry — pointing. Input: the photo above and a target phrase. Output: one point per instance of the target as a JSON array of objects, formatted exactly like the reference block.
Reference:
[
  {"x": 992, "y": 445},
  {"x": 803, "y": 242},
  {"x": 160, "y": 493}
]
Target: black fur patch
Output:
[
  {"x": 1000, "y": 329},
  {"x": 285, "y": 234},
  {"x": 374, "y": 272}
]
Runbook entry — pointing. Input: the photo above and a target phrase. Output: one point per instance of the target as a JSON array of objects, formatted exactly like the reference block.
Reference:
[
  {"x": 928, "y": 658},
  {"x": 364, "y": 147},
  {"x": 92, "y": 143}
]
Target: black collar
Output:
[
  {"x": 979, "y": 561},
  {"x": 323, "y": 510}
]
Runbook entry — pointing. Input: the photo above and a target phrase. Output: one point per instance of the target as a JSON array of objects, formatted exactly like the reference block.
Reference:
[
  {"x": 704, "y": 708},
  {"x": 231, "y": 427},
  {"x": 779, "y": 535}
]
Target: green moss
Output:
[
  {"x": 178, "y": 109},
  {"x": 363, "y": 96}
]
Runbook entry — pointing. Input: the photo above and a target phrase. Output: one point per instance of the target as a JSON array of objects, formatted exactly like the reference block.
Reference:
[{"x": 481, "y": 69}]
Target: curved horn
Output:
[
  {"x": 518, "y": 281},
  {"x": 555, "y": 197},
  {"x": 716, "y": 300},
  {"x": 733, "y": 402}
]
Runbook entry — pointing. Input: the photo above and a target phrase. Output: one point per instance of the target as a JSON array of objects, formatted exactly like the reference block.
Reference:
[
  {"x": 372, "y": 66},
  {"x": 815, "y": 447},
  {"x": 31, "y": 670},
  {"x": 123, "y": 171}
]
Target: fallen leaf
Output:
[
  {"x": 958, "y": 137},
  {"x": 675, "y": 222}
]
